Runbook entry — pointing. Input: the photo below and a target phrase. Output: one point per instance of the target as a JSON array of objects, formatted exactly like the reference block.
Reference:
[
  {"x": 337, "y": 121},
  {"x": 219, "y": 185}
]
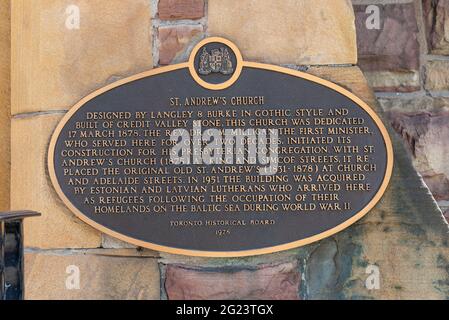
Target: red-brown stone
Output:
[
  {"x": 279, "y": 282},
  {"x": 174, "y": 41},
  {"x": 402, "y": 89},
  {"x": 181, "y": 9},
  {"x": 427, "y": 137},
  {"x": 393, "y": 47},
  {"x": 436, "y": 17}
]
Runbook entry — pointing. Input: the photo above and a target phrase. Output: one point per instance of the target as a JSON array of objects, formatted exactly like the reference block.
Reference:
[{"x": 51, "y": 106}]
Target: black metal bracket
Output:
[{"x": 11, "y": 254}]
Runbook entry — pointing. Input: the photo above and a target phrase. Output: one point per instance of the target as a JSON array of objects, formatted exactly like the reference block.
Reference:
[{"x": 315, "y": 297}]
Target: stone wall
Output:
[
  {"x": 406, "y": 61},
  {"x": 58, "y": 59}
]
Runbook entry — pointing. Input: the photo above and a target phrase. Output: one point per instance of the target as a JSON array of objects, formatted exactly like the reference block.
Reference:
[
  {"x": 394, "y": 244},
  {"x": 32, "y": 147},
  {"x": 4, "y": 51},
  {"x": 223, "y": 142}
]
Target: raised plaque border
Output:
[{"x": 241, "y": 64}]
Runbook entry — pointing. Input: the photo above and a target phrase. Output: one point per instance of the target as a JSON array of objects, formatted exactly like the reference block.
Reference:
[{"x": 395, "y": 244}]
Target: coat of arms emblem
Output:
[{"x": 217, "y": 61}]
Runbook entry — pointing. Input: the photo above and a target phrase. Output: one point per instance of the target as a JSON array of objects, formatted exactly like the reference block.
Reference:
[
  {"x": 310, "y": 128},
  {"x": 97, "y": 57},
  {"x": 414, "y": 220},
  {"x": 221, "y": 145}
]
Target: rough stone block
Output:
[
  {"x": 350, "y": 78},
  {"x": 427, "y": 136},
  {"x": 180, "y": 9},
  {"x": 174, "y": 41},
  {"x": 392, "y": 47},
  {"x": 389, "y": 52},
  {"x": 56, "y": 61},
  {"x": 436, "y": 17},
  {"x": 109, "y": 242},
  {"x": 415, "y": 104},
  {"x": 386, "y": 81},
  {"x": 437, "y": 76},
  {"x": 270, "y": 282},
  {"x": 101, "y": 277}
]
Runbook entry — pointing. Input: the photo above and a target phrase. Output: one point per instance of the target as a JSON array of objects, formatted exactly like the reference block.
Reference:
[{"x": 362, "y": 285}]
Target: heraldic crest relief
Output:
[{"x": 217, "y": 61}]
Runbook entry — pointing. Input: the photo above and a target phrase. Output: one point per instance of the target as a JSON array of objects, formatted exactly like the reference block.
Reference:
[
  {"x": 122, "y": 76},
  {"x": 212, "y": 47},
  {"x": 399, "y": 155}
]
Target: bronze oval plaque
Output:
[{"x": 220, "y": 157}]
